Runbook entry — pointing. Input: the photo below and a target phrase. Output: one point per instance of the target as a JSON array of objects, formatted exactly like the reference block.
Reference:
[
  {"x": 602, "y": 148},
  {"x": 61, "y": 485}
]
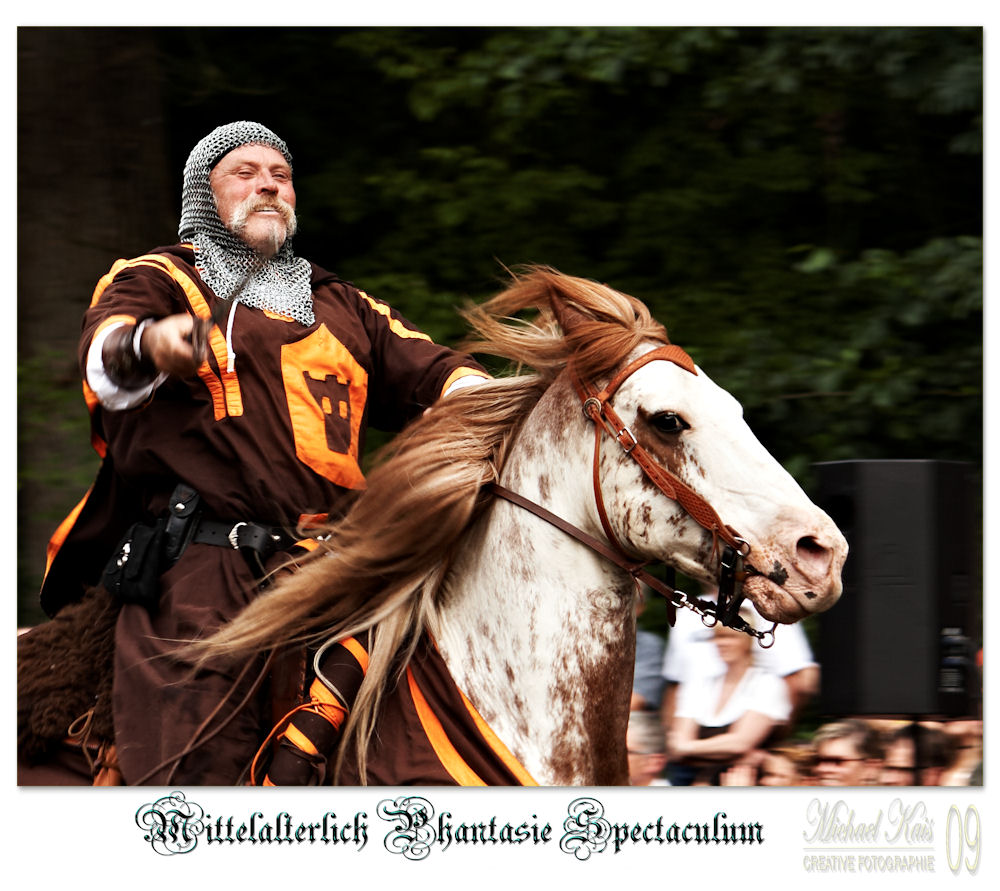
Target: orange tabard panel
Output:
[{"x": 326, "y": 390}]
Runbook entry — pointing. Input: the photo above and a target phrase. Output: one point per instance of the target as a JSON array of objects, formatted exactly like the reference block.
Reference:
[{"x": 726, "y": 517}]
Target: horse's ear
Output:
[{"x": 568, "y": 317}]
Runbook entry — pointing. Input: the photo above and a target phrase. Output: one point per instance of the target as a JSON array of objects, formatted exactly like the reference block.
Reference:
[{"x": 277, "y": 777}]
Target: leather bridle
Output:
[{"x": 730, "y": 549}]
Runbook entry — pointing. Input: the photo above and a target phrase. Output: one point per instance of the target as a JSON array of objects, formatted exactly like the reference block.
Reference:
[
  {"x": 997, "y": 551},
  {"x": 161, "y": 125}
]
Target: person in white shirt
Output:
[
  {"x": 721, "y": 718},
  {"x": 691, "y": 652}
]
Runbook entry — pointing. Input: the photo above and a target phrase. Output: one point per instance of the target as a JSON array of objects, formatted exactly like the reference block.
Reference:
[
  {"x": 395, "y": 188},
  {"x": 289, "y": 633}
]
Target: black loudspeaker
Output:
[{"x": 904, "y": 637}]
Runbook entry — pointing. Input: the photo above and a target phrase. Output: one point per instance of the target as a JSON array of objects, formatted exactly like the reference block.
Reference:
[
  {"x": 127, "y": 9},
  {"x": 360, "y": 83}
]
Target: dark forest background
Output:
[{"x": 801, "y": 206}]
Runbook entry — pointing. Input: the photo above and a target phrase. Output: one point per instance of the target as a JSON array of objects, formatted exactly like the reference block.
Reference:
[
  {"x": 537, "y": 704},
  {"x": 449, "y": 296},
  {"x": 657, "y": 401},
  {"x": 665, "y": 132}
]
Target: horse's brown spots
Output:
[
  {"x": 690, "y": 470},
  {"x": 673, "y": 455},
  {"x": 529, "y": 449},
  {"x": 562, "y": 406},
  {"x": 569, "y": 760},
  {"x": 627, "y": 522},
  {"x": 636, "y": 524},
  {"x": 544, "y": 486},
  {"x": 594, "y": 675},
  {"x": 522, "y": 544},
  {"x": 513, "y": 700},
  {"x": 477, "y": 654}
]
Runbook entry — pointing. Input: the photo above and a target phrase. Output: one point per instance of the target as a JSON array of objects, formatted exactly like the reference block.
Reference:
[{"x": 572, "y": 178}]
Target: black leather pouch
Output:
[{"x": 132, "y": 575}]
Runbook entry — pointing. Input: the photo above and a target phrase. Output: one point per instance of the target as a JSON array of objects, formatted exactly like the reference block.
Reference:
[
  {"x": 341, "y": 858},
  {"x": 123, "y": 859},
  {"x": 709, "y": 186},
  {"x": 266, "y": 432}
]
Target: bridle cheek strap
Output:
[{"x": 597, "y": 407}]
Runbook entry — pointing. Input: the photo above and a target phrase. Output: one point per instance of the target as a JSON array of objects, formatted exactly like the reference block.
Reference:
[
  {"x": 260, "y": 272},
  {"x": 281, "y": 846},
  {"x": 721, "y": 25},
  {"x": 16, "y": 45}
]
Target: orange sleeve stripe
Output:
[
  {"x": 227, "y": 398},
  {"x": 325, "y": 703},
  {"x": 357, "y": 651},
  {"x": 90, "y": 397},
  {"x": 59, "y": 536},
  {"x": 445, "y": 751},
  {"x": 106, "y": 280},
  {"x": 459, "y": 373},
  {"x": 224, "y": 388},
  {"x": 307, "y": 544},
  {"x": 395, "y": 326},
  {"x": 495, "y": 743},
  {"x": 120, "y": 319},
  {"x": 153, "y": 260},
  {"x": 298, "y": 739},
  {"x": 322, "y": 694}
]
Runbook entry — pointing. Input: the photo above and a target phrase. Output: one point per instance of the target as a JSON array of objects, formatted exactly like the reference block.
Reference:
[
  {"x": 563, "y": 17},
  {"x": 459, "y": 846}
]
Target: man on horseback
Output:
[{"x": 230, "y": 384}]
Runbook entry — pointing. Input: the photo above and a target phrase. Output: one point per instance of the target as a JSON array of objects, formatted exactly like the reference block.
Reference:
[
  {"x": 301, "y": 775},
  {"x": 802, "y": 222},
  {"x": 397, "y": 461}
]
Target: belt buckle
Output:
[{"x": 234, "y": 536}]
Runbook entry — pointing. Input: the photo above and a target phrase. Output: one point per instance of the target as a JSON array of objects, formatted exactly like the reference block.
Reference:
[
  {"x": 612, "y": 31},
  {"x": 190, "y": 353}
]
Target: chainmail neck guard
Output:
[{"x": 280, "y": 284}]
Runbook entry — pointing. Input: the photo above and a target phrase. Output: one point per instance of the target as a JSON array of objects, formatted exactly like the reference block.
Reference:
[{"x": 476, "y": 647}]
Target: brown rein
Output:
[
  {"x": 597, "y": 407},
  {"x": 674, "y": 597}
]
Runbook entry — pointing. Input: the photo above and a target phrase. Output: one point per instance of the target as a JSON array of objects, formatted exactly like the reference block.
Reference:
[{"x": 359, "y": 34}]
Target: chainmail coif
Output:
[{"x": 279, "y": 285}]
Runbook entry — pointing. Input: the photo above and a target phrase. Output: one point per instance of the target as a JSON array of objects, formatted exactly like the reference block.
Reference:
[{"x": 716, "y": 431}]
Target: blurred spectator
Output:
[
  {"x": 847, "y": 753},
  {"x": 720, "y": 719},
  {"x": 775, "y": 766},
  {"x": 899, "y": 761},
  {"x": 646, "y": 749},
  {"x": 742, "y": 773},
  {"x": 690, "y": 651},
  {"x": 779, "y": 767},
  {"x": 647, "y": 682},
  {"x": 966, "y": 766},
  {"x": 916, "y": 755}
]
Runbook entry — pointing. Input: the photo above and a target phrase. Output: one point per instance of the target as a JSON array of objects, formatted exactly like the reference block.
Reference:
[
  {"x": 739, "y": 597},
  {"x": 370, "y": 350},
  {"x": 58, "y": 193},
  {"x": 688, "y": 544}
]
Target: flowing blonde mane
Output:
[{"x": 388, "y": 557}]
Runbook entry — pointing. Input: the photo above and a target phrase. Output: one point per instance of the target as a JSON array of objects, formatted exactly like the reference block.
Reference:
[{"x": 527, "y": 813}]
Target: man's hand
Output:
[{"x": 172, "y": 346}]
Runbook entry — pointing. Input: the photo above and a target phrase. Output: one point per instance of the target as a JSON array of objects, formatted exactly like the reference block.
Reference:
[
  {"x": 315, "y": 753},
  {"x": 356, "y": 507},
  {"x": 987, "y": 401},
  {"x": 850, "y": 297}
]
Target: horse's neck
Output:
[{"x": 537, "y": 630}]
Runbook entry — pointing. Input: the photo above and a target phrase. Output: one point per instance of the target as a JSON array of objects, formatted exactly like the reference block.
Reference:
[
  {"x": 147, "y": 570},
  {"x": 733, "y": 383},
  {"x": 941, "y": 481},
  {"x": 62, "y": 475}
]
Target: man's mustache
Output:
[{"x": 253, "y": 204}]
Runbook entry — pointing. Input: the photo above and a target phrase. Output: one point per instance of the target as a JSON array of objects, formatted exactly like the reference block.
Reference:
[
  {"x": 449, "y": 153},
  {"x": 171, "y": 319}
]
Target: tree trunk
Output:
[{"x": 93, "y": 185}]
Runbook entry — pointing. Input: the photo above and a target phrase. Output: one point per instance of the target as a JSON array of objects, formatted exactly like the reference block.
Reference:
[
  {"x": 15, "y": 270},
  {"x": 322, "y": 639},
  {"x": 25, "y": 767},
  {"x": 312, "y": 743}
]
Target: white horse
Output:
[{"x": 534, "y": 621}]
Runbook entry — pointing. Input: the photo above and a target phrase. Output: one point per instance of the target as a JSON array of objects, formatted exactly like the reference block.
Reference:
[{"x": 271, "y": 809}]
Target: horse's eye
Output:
[{"x": 668, "y": 422}]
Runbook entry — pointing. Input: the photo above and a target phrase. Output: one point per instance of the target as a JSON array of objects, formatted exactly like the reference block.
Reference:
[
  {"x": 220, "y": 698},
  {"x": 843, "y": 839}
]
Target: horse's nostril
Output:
[
  {"x": 810, "y": 546},
  {"x": 813, "y": 557}
]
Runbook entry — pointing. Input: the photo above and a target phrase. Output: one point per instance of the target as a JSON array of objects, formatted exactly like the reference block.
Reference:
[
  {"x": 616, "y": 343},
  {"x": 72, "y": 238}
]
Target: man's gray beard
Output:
[{"x": 238, "y": 221}]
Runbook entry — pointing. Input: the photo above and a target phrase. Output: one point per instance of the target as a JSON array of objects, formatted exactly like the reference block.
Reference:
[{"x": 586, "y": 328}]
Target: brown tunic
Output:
[{"x": 428, "y": 733}]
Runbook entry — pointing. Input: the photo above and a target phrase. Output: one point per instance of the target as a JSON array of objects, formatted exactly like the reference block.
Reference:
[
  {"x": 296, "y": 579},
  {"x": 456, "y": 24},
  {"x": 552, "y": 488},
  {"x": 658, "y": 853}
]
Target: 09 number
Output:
[{"x": 967, "y": 831}]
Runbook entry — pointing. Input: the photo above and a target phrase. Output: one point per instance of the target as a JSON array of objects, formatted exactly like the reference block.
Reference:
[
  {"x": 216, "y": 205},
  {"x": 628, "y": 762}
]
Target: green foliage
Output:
[
  {"x": 801, "y": 206},
  {"x": 55, "y": 462}
]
